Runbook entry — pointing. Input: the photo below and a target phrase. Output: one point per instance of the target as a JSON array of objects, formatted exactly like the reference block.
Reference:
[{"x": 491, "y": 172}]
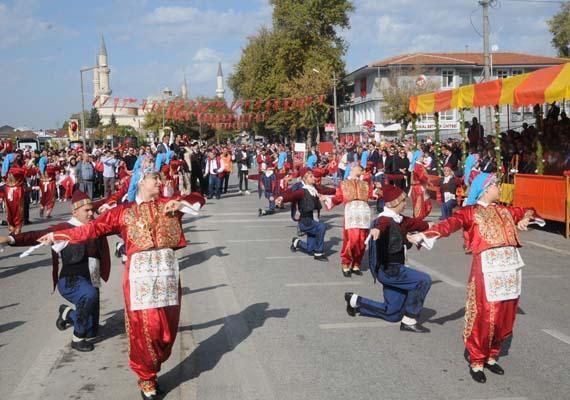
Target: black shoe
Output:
[
  {"x": 259, "y": 212},
  {"x": 117, "y": 252},
  {"x": 151, "y": 397},
  {"x": 346, "y": 273},
  {"x": 478, "y": 376},
  {"x": 60, "y": 322},
  {"x": 159, "y": 390},
  {"x": 351, "y": 311},
  {"x": 347, "y": 296},
  {"x": 293, "y": 247},
  {"x": 82, "y": 345},
  {"x": 357, "y": 272},
  {"x": 416, "y": 328},
  {"x": 495, "y": 368},
  {"x": 4, "y": 223},
  {"x": 321, "y": 257},
  {"x": 41, "y": 212}
]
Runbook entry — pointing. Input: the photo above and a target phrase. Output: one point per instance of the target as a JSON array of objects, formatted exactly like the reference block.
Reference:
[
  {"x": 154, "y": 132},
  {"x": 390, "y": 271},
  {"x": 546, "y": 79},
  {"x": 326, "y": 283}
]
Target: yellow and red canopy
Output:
[{"x": 542, "y": 86}]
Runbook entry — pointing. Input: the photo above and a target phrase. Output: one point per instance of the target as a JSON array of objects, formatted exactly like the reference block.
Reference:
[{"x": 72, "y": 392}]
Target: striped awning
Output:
[{"x": 541, "y": 86}]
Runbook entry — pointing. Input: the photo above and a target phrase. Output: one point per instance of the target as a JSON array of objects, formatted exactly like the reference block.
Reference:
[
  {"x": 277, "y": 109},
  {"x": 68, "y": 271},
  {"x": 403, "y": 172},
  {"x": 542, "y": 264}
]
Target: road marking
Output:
[
  {"x": 285, "y": 257},
  {"x": 350, "y": 325},
  {"x": 281, "y": 225},
  {"x": 507, "y": 398},
  {"x": 436, "y": 274},
  {"x": 258, "y": 240},
  {"x": 566, "y": 253},
  {"x": 558, "y": 335},
  {"x": 310, "y": 284}
]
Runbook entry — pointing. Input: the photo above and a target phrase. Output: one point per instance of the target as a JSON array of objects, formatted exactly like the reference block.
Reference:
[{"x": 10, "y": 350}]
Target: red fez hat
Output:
[
  {"x": 391, "y": 193},
  {"x": 79, "y": 199},
  {"x": 303, "y": 171}
]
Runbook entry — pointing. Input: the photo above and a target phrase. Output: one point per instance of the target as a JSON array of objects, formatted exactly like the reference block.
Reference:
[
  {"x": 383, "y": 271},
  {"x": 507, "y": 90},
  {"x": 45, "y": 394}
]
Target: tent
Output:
[{"x": 541, "y": 86}]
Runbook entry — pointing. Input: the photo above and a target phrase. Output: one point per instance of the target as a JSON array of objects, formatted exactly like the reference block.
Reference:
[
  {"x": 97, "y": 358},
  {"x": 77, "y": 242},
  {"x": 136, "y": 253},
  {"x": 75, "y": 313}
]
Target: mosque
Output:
[{"x": 132, "y": 114}]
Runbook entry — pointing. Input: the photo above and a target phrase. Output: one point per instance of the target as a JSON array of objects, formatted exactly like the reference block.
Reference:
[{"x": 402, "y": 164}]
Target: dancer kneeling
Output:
[{"x": 405, "y": 289}]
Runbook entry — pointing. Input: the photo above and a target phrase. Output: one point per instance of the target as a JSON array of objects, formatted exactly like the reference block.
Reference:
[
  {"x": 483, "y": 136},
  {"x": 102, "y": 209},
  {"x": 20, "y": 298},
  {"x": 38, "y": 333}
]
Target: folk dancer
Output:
[
  {"x": 48, "y": 189},
  {"x": 270, "y": 187},
  {"x": 494, "y": 284},
  {"x": 354, "y": 194},
  {"x": 79, "y": 280},
  {"x": 14, "y": 174},
  {"x": 308, "y": 201},
  {"x": 404, "y": 288},
  {"x": 421, "y": 203},
  {"x": 151, "y": 228}
]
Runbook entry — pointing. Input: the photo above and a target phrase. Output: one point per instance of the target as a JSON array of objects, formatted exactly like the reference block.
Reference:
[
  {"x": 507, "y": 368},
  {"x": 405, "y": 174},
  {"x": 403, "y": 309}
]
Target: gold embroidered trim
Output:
[
  {"x": 128, "y": 330},
  {"x": 492, "y": 313},
  {"x": 470, "y": 310},
  {"x": 147, "y": 386},
  {"x": 148, "y": 340},
  {"x": 353, "y": 189}
]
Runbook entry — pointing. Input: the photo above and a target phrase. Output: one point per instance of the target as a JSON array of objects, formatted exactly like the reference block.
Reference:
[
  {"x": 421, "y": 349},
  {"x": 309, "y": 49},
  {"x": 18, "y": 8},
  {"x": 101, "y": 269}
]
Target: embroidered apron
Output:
[
  {"x": 357, "y": 215},
  {"x": 501, "y": 268},
  {"x": 153, "y": 277},
  {"x": 95, "y": 272}
]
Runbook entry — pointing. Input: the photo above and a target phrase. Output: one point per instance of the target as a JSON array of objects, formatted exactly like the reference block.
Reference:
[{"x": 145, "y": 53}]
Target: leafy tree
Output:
[
  {"x": 279, "y": 62},
  {"x": 113, "y": 121},
  {"x": 559, "y": 26},
  {"x": 396, "y": 94},
  {"x": 94, "y": 119}
]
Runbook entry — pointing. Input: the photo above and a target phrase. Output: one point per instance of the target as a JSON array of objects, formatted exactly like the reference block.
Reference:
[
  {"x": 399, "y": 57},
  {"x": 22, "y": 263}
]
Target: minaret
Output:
[
  {"x": 104, "y": 71},
  {"x": 96, "y": 77},
  {"x": 184, "y": 89},
  {"x": 220, "y": 83}
]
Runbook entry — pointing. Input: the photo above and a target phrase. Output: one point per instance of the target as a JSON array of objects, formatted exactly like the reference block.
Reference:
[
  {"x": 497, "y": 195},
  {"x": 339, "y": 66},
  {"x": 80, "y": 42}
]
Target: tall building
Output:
[
  {"x": 101, "y": 83},
  {"x": 220, "y": 91},
  {"x": 184, "y": 89}
]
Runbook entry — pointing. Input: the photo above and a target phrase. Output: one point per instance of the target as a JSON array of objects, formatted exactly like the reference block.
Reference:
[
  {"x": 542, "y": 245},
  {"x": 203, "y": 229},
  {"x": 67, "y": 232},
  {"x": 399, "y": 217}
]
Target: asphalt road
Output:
[{"x": 259, "y": 322}]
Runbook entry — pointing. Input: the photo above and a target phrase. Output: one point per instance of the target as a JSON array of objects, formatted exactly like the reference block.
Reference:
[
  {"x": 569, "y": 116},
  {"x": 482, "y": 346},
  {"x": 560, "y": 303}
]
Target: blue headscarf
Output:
[
  {"x": 311, "y": 161},
  {"x": 6, "y": 164},
  {"x": 417, "y": 154},
  {"x": 132, "y": 192},
  {"x": 281, "y": 161},
  {"x": 364, "y": 159},
  {"x": 163, "y": 158},
  {"x": 43, "y": 163},
  {"x": 469, "y": 163},
  {"x": 478, "y": 186}
]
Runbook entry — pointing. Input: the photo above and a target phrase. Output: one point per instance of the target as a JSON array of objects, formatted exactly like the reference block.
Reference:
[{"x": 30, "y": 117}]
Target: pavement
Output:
[{"x": 260, "y": 322}]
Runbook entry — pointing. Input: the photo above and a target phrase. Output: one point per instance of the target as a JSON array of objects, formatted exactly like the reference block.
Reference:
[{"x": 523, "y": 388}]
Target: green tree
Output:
[
  {"x": 559, "y": 26},
  {"x": 94, "y": 119},
  {"x": 113, "y": 121},
  {"x": 279, "y": 62}
]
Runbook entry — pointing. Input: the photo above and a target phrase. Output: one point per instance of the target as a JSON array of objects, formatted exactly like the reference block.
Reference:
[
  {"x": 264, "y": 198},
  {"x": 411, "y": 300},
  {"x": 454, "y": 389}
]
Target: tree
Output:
[
  {"x": 396, "y": 94},
  {"x": 94, "y": 119},
  {"x": 113, "y": 121},
  {"x": 559, "y": 26},
  {"x": 279, "y": 62}
]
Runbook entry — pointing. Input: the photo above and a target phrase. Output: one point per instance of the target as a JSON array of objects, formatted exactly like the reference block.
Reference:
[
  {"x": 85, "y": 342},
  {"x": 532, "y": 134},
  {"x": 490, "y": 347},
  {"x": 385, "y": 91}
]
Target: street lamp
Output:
[
  {"x": 334, "y": 82},
  {"x": 81, "y": 71}
]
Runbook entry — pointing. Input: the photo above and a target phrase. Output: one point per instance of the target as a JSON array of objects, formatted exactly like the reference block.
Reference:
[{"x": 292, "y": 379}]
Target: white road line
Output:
[
  {"x": 506, "y": 398},
  {"x": 229, "y": 213},
  {"x": 286, "y": 257},
  {"x": 281, "y": 225},
  {"x": 258, "y": 240},
  {"x": 566, "y": 253},
  {"x": 558, "y": 335},
  {"x": 436, "y": 274},
  {"x": 350, "y": 325},
  {"x": 311, "y": 284}
]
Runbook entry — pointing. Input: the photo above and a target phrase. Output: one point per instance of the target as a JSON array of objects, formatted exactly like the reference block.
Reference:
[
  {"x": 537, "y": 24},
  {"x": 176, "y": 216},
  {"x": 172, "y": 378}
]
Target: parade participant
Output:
[
  {"x": 83, "y": 266},
  {"x": 354, "y": 194},
  {"x": 243, "y": 161},
  {"x": 48, "y": 189},
  {"x": 14, "y": 174},
  {"x": 270, "y": 188},
  {"x": 494, "y": 284},
  {"x": 308, "y": 201},
  {"x": 151, "y": 228},
  {"x": 421, "y": 204},
  {"x": 404, "y": 289}
]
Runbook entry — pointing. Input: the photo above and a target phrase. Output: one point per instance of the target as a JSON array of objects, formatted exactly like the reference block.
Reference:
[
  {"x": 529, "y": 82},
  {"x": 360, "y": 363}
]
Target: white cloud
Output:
[{"x": 206, "y": 54}]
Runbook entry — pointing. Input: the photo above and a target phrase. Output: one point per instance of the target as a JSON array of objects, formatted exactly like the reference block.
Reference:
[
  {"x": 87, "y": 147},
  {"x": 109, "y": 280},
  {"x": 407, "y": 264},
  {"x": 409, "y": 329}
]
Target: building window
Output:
[
  {"x": 447, "y": 78},
  {"x": 446, "y": 116},
  {"x": 363, "y": 87},
  {"x": 502, "y": 73},
  {"x": 465, "y": 78},
  {"x": 516, "y": 72}
]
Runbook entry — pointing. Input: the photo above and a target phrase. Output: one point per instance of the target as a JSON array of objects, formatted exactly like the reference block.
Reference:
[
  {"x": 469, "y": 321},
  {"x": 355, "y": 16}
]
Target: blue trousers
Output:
[
  {"x": 80, "y": 292},
  {"x": 271, "y": 207},
  {"x": 214, "y": 186},
  {"x": 405, "y": 290},
  {"x": 315, "y": 231},
  {"x": 447, "y": 209}
]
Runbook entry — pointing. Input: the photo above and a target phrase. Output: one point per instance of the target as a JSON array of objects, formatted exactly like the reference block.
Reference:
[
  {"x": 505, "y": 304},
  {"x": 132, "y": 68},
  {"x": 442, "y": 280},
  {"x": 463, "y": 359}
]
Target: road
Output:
[{"x": 259, "y": 322}]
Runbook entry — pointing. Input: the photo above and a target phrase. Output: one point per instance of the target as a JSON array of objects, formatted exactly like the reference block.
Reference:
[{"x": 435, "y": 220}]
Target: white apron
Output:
[{"x": 502, "y": 275}]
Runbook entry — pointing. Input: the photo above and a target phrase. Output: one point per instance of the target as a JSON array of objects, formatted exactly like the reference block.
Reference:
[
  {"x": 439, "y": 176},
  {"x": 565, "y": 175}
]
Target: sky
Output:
[{"x": 152, "y": 43}]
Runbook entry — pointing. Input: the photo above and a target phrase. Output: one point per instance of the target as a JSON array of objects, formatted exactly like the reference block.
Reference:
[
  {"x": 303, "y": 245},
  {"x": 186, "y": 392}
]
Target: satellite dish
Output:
[{"x": 494, "y": 48}]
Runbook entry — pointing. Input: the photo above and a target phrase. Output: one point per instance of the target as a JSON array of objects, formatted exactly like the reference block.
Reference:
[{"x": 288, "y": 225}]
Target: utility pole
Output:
[
  {"x": 335, "y": 110},
  {"x": 487, "y": 55}
]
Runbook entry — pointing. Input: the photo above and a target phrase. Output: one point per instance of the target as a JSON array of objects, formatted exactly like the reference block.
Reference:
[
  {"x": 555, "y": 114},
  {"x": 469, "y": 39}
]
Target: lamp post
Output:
[
  {"x": 81, "y": 71},
  {"x": 334, "y": 82}
]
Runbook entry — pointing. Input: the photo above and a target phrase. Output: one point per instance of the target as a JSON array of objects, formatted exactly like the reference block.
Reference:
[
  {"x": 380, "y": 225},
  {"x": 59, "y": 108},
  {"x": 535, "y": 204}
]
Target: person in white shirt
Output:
[{"x": 214, "y": 171}]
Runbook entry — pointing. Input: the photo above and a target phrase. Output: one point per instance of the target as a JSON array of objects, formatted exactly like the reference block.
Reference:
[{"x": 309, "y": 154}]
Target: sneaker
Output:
[
  {"x": 82, "y": 345},
  {"x": 240, "y": 192},
  {"x": 60, "y": 322},
  {"x": 294, "y": 243},
  {"x": 247, "y": 192},
  {"x": 320, "y": 257}
]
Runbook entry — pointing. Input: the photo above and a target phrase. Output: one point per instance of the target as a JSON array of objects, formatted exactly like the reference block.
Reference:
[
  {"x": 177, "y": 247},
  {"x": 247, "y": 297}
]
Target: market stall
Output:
[{"x": 550, "y": 195}]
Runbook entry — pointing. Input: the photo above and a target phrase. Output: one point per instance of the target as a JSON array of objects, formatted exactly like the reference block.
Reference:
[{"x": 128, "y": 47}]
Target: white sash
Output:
[
  {"x": 502, "y": 275},
  {"x": 357, "y": 215},
  {"x": 153, "y": 277}
]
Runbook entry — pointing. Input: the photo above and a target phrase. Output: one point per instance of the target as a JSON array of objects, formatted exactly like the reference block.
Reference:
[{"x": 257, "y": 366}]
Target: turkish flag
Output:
[{"x": 115, "y": 103}]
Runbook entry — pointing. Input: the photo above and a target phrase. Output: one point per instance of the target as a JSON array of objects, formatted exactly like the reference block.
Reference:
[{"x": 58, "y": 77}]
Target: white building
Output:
[{"x": 443, "y": 71}]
